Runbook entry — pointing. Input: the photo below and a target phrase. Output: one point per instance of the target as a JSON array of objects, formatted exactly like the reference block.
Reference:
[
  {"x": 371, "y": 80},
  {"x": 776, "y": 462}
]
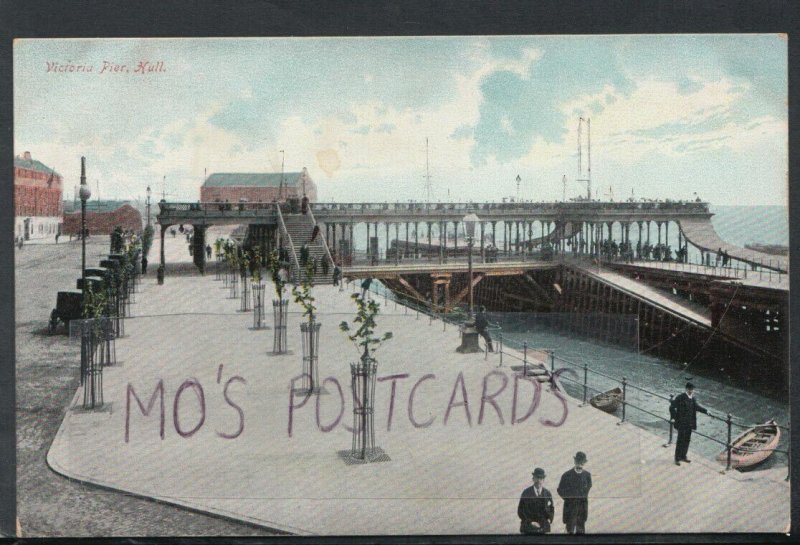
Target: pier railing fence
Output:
[{"x": 511, "y": 350}]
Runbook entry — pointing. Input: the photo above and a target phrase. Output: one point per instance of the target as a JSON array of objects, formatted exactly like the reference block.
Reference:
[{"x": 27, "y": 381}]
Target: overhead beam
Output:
[
  {"x": 465, "y": 291},
  {"x": 413, "y": 292},
  {"x": 538, "y": 288}
]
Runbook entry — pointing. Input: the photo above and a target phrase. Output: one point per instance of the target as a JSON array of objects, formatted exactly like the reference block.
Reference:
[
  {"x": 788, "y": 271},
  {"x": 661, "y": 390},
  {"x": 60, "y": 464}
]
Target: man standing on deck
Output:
[
  {"x": 535, "y": 508},
  {"x": 481, "y": 324},
  {"x": 683, "y": 412},
  {"x": 574, "y": 489}
]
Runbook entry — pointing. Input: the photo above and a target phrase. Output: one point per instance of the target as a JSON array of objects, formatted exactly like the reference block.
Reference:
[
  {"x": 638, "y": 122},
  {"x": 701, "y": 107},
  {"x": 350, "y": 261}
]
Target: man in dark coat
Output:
[
  {"x": 304, "y": 254},
  {"x": 481, "y": 325},
  {"x": 574, "y": 489},
  {"x": 683, "y": 411},
  {"x": 365, "y": 287},
  {"x": 536, "y": 508}
]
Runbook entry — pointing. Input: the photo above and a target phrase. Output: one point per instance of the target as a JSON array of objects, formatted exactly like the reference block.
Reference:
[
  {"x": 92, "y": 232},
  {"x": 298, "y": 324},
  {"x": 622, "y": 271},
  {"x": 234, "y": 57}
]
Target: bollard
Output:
[
  {"x": 624, "y": 396},
  {"x": 552, "y": 361},
  {"x": 670, "y": 423},
  {"x": 585, "y": 380},
  {"x": 501, "y": 348},
  {"x": 728, "y": 422},
  {"x": 525, "y": 359}
]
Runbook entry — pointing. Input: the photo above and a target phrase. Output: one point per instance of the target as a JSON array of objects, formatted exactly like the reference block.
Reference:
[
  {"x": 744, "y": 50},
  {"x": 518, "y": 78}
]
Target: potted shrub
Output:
[
  {"x": 218, "y": 252},
  {"x": 367, "y": 342},
  {"x": 93, "y": 333},
  {"x": 258, "y": 290},
  {"x": 280, "y": 306},
  {"x": 309, "y": 331},
  {"x": 244, "y": 272}
]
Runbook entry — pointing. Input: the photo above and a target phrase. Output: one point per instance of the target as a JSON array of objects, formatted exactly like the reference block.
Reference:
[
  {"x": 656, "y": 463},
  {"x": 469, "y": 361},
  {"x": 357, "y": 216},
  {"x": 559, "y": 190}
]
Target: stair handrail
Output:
[
  {"x": 324, "y": 241},
  {"x": 289, "y": 238}
]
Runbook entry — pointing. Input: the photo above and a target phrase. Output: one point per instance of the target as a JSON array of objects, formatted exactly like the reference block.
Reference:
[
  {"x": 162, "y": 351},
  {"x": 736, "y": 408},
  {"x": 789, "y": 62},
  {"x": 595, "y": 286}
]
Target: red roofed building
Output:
[
  {"x": 37, "y": 199},
  {"x": 102, "y": 217},
  {"x": 257, "y": 186}
]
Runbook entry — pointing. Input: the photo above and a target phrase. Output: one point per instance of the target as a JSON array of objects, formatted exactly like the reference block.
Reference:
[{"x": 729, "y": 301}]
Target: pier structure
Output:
[
  {"x": 515, "y": 229},
  {"x": 546, "y": 257}
]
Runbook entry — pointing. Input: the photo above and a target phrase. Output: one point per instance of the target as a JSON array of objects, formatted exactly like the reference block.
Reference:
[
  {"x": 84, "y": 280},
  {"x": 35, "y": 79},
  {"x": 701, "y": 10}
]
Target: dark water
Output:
[{"x": 658, "y": 376}]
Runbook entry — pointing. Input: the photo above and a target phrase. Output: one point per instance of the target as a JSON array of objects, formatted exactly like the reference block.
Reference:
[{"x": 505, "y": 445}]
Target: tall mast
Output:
[
  {"x": 580, "y": 164},
  {"x": 427, "y": 173},
  {"x": 280, "y": 189},
  {"x": 589, "y": 175}
]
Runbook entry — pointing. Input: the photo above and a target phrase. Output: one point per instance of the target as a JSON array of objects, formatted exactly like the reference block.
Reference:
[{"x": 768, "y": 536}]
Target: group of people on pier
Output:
[{"x": 536, "y": 509}]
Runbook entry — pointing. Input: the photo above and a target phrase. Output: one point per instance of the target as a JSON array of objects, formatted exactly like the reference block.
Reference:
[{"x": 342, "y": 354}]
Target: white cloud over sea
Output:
[{"x": 670, "y": 115}]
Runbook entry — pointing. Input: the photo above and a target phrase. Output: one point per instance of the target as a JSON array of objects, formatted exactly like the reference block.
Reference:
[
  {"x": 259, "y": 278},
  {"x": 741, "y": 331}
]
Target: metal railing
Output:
[
  {"x": 520, "y": 351},
  {"x": 729, "y": 421},
  {"x": 739, "y": 271},
  {"x": 322, "y": 236},
  {"x": 681, "y": 206},
  {"x": 285, "y": 232}
]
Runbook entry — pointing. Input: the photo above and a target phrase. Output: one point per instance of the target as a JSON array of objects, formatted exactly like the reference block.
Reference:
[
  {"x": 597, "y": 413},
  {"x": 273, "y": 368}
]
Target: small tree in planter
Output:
[
  {"x": 258, "y": 290},
  {"x": 244, "y": 272},
  {"x": 280, "y": 305},
  {"x": 233, "y": 265},
  {"x": 309, "y": 331},
  {"x": 147, "y": 242},
  {"x": 218, "y": 252},
  {"x": 363, "y": 336},
  {"x": 117, "y": 240},
  {"x": 93, "y": 333}
]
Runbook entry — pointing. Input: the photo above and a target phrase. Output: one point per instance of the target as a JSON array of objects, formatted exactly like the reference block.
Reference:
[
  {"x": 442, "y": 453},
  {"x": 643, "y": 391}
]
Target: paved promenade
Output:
[{"x": 461, "y": 473}]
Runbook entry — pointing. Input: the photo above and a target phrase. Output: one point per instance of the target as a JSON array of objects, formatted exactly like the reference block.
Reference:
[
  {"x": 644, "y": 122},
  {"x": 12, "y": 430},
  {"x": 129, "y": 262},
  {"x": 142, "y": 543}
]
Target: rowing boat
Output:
[
  {"x": 753, "y": 446},
  {"x": 607, "y": 401}
]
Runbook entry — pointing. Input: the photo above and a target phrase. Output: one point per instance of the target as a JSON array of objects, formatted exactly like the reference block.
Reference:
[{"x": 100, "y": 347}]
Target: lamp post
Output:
[
  {"x": 148, "y": 206},
  {"x": 469, "y": 336},
  {"x": 469, "y": 226},
  {"x": 85, "y": 193}
]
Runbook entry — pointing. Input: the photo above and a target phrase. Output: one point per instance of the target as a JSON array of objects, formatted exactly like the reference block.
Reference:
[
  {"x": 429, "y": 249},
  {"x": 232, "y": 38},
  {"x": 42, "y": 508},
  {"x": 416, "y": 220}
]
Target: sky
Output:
[{"x": 671, "y": 115}]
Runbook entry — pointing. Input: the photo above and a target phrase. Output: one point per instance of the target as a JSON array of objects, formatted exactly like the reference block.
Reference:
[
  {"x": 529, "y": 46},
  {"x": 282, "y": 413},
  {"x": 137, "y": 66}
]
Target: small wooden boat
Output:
[
  {"x": 753, "y": 446},
  {"x": 607, "y": 401}
]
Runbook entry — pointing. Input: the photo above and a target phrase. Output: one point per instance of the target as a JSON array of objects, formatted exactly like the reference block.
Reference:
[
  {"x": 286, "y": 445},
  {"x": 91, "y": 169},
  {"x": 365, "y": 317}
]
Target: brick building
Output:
[
  {"x": 37, "y": 198},
  {"x": 102, "y": 217},
  {"x": 257, "y": 187}
]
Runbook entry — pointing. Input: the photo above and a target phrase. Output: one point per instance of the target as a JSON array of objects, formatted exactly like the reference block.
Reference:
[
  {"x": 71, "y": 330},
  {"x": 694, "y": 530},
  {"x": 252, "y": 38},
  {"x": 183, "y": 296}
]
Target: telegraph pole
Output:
[
  {"x": 280, "y": 188},
  {"x": 427, "y": 173}
]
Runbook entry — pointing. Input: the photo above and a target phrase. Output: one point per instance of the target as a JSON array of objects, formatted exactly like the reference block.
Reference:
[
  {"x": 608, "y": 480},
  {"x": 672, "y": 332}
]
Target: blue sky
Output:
[{"x": 671, "y": 115}]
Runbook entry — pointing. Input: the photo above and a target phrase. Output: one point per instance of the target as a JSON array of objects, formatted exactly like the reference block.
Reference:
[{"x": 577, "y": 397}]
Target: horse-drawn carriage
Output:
[{"x": 69, "y": 306}]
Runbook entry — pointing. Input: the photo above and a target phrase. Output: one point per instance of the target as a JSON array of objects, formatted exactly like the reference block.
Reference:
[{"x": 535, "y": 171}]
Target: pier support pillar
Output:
[
  {"x": 387, "y": 242},
  {"x": 483, "y": 255},
  {"x": 430, "y": 243}
]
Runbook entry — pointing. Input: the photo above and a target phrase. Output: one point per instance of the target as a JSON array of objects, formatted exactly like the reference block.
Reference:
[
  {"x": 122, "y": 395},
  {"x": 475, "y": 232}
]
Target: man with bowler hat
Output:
[
  {"x": 683, "y": 412},
  {"x": 536, "y": 509},
  {"x": 574, "y": 489}
]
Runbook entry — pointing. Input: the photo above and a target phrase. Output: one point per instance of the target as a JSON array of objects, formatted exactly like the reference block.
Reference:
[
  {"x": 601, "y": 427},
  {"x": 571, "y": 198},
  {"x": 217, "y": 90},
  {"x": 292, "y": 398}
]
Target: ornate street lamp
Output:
[
  {"x": 469, "y": 336},
  {"x": 85, "y": 193},
  {"x": 148, "y": 206},
  {"x": 470, "y": 220}
]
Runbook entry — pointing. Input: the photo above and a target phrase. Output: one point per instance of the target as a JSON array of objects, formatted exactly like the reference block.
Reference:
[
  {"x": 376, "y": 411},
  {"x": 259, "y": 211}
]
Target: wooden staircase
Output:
[{"x": 298, "y": 228}]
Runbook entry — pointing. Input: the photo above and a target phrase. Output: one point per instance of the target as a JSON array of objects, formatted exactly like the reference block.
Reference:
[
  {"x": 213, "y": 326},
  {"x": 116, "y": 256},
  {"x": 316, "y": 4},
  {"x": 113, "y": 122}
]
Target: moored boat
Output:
[
  {"x": 753, "y": 446},
  {"x": 607, "y": 401}
]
